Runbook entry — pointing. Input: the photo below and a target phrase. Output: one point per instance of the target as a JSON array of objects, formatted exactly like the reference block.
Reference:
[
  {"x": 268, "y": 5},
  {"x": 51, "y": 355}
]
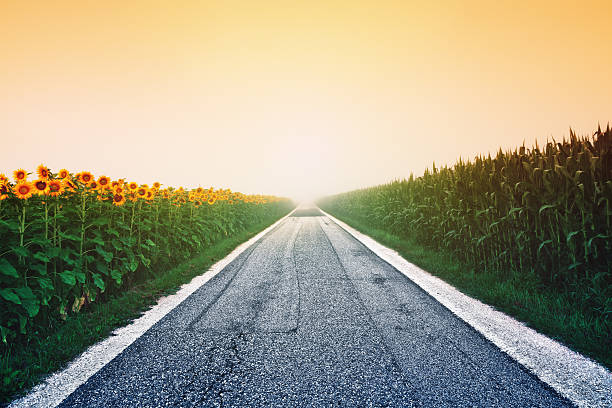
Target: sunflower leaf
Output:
[
  {"x": 21, "y": 251},
  {"x": 7, "y": 269},
  {"x": 10, "y": 295},
  {"x": 98, "y": 281},
  {"x": 116, "y": 275},
  {"x": 68, "y": 277}
]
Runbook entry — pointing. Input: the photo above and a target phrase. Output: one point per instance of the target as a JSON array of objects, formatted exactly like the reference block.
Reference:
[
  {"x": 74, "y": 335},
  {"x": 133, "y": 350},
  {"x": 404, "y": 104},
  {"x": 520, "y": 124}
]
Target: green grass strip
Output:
[
  {"x": 558, "y": 315},
  {"x": 24, "y": 365}
]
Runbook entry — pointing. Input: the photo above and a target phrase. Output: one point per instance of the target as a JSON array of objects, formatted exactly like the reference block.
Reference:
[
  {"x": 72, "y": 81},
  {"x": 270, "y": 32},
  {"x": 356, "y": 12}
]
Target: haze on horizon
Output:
[{"x": 300, "y": 98}]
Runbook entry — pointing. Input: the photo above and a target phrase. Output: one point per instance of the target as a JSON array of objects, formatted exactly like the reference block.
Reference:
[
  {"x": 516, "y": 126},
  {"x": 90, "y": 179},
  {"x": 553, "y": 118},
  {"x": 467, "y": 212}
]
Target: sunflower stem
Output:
[
  {"x": 21, "y": 236},
  {"x": 139, "y": 228},
  {"x": 83, "y": 203},
  {"x": 156, "y": 217},
  {"x": 46, "y": 229},
  {"x": 132, "y": 220},
  {"x": 56, "y": 241}
]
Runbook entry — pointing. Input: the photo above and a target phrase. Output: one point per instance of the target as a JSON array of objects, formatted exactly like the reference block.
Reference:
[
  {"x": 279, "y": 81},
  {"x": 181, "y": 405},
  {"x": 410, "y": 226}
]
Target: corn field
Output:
[
  {"x": 67, "y": 240},
  {"x": 541, "y": 211}
]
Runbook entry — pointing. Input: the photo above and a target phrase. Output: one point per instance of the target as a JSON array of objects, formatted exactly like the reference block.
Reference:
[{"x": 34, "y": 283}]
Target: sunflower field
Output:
[
  {"x": 543, "y": 212},
  {"x": 67, "y": 240}
]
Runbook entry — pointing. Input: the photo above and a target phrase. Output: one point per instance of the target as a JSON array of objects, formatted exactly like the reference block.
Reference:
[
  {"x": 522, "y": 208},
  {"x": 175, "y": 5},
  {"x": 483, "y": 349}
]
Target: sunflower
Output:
[
  {"x": 156, "y": 185},
  {"x": 197, "y": 203},
  {"x": 55, "y": 188},
  {"x": 20, "y": 175},
  {"x": 118, "y": 199},
  {"x": 212, "y": 200},
  {"x": 118, "y": 189},
  {"x": 69, "y": 185},
  {"x": 4, "y": 190},
  {"x": 93, "y": 185},
  {"x": 43, "y": 172},
  {"x": 3, "y": 178},
  {"x": 63, "y": 174},
  {"x": 133, "y": 186},
  {"x": 41, "y": 187},
  {"x": 103, "y": 182},
  {"x": 149, "y": 195},
  {"x": 85, "y": 177},
  {"x": 141, "y": 192},
  {"x": 24, "y": 190}
]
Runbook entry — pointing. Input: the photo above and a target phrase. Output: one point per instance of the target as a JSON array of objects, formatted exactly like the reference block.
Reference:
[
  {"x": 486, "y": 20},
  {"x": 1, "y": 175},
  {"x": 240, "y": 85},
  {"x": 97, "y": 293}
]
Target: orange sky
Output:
[{"x": 296, "y": 98}]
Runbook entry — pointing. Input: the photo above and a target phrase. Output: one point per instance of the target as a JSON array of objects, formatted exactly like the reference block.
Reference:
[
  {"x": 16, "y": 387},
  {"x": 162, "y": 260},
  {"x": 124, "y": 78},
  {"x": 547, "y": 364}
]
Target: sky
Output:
[{"x": 293, "y": 98}]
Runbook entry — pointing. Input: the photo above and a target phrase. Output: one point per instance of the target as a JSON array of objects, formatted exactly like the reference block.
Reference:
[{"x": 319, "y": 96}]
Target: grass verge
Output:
[
  {"x": 558, "y": 315},
  {"x": 24, "y": 365}
]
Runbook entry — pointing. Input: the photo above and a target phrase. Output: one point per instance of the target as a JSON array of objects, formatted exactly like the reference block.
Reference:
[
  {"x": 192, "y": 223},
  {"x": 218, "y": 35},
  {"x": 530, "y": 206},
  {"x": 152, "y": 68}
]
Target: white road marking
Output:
[
  {"x": 576, "y": 377},
  {"x": 58, "y": 386}
]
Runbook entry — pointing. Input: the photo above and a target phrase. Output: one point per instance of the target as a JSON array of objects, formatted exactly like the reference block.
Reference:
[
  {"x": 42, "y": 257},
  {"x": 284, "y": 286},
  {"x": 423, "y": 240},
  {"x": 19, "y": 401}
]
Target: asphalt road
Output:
[{"x": 308, "y": 316}]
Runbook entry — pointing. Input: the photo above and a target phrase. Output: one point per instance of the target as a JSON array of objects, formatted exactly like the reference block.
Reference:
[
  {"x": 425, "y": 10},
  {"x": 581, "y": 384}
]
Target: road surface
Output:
[{"x": 308, "y": 316}]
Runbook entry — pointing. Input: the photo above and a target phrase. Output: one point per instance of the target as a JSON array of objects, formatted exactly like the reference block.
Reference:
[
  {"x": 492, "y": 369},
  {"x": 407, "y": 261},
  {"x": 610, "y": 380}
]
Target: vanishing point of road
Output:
[{"x": 308, "y": 316}]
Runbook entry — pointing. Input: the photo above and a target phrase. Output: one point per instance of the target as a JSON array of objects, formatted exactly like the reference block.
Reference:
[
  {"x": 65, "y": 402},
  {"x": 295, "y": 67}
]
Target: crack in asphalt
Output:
[
  {"x": 223, "y": 290},
  {"x": 469, "y": 359},
  {"x": 231, "y": 362},
  {"x": 365, "y": 309},
  {"x": 234, "y": 359},
  {"x": 245, "y": 258},
  {"x": 258, "y": 304},
  {"x": 297, "y": 279}
]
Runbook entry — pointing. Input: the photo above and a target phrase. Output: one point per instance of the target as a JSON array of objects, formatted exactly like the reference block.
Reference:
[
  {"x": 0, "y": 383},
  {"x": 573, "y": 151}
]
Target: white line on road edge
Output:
[
  {"x": 579, "y": 379},
  {"x": 58, "y": 386}
]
